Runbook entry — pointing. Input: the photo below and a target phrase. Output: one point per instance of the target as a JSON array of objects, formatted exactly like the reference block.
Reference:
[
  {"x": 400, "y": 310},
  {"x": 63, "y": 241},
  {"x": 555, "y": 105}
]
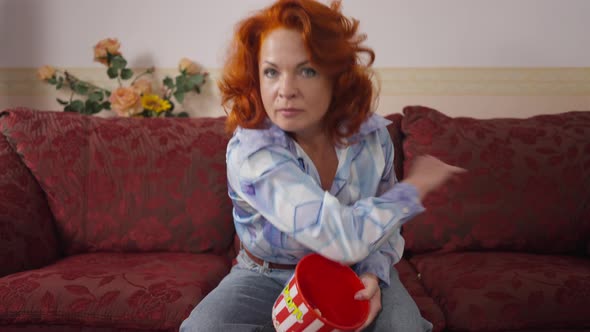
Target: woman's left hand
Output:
[{"x": 372, "y": 292}]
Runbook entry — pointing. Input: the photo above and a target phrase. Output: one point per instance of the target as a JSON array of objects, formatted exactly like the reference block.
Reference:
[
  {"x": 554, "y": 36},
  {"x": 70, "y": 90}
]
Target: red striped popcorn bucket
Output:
[{"x": 320, "y": 297}]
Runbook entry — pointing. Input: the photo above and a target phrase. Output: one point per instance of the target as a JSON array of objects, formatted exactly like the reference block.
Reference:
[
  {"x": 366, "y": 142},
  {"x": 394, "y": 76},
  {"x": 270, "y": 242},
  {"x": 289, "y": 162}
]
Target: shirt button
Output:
[{"x": 405, "y": 210}]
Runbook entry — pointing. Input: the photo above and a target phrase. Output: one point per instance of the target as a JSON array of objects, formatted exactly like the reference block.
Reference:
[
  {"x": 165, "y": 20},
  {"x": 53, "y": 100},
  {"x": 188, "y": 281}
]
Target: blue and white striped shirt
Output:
[{"x": 281, "y": 213}]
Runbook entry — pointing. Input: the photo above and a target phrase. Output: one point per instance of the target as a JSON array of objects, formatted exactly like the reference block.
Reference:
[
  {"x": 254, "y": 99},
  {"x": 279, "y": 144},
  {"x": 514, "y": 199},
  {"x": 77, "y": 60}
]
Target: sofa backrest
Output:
[
  {"x": 527, "y": 188},
  {"x": 27, "y": 233},
  {"x": 128, "y": 184}
]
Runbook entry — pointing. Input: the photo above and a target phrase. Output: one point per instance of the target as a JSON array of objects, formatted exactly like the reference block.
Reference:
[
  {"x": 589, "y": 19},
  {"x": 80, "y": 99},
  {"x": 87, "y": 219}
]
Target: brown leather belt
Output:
[{"x": 271, "y": 265}]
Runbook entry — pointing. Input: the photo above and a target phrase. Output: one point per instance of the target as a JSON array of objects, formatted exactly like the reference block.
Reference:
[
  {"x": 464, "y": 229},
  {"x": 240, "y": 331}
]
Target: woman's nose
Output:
[{"x": 288, "y": 88}]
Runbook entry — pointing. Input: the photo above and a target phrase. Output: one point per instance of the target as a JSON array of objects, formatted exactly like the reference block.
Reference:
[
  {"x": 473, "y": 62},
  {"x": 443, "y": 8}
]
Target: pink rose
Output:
[
  {"x": 104, "y": 47},
  {"x": 45, "y": 73},
  {"x": 188, "y": 66},
  {"x": 125, "y": 101},
  {"x": 143, "y": 86}
]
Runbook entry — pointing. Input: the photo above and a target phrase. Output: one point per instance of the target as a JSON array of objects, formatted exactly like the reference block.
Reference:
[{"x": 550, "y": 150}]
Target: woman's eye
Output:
[
  {"x": 308, "y": 72},
  {"x": 270, "y": 72}
]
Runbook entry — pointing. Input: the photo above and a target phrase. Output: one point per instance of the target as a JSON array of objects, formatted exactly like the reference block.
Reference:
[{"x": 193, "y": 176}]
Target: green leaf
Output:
[
  {"x": 77, "y": 106},
  {"x": 118, "y": 62},
  {"x": 61, "y": 102},
  {"x": 92, "y": 107},
  {"x": 168, "y": 82},
  {"x": 106, "y": 105},
  {"x": 182, "y": 115},
  {"x": 60, "y": 83},
  {"x": 179, "y": 95},
  {"x": 109, "y": 58},
  {"x": 126, "y": 73},
  {"x": 99, "y": 106},
  {"x": 88, "y": 107},
  {"x": 81, "y": 88},
  {"x": 107, "y": 93},
  {"x": 182, "y": 83},
  {"x": 113, "y": 72},
  {"x": 95, "y": 96},
  {"x": 196, "y": 80},
  {"x": 52, "y": 81},
  {"x": 69, "y": 108}
]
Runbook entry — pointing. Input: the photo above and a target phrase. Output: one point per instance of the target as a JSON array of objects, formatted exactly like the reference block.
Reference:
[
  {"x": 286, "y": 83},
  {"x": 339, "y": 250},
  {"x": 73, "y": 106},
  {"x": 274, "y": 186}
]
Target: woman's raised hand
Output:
[{"x": 427, "y": 173}]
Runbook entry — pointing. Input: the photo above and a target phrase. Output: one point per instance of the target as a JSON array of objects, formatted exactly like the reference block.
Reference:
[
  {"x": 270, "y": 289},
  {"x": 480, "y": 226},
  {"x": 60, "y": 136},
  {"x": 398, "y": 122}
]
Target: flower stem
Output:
[
  {"x": 146, "y": 72},
  {"x": 71, "y": 80}
]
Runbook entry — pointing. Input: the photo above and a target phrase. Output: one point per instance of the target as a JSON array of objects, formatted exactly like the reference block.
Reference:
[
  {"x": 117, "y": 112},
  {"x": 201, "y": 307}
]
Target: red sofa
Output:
[{"x": 125, "y": 225}]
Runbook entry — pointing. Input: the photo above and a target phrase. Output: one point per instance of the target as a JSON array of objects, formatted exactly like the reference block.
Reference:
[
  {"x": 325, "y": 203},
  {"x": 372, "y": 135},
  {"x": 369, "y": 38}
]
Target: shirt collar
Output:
[
  {"x": 373, "y": 123},
  {"x": 273, "y": 134}
]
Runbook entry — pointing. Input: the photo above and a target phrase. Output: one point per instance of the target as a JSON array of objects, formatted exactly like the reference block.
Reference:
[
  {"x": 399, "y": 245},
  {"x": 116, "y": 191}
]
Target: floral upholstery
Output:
[
  {"x": 428, "y": 308},
  {"x": 125, "y": 224},
  {"x": 79, "y": 328},
  {"x": 508, "y": 291},
  {"x": 527, "y": 188},
  {"x": 58, "y": 328},
  {"x": 27, "y": 232},
  {"x": 129, "y": 184},
  {"x": 125, "y": 290}
]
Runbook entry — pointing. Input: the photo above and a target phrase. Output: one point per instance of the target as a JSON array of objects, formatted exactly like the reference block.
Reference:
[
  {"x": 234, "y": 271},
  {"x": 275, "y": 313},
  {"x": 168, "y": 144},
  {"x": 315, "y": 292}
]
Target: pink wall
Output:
[
  {"x": 477, "y": 58},
  {"x": 404, "y": 33}
]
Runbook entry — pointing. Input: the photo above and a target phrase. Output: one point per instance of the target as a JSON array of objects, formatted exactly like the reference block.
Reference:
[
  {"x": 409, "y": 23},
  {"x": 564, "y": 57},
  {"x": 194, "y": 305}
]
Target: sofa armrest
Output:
[{"x": 27, "y": 232}]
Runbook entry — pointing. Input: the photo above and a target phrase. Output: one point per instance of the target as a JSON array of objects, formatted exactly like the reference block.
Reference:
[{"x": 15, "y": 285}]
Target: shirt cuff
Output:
[
  {"x": 377, "y": 264},
  {"x": 405, "y": 196}
]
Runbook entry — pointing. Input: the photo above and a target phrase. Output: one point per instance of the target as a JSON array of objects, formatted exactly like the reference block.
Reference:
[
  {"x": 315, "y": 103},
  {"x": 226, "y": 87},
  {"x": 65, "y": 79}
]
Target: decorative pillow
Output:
[
  {"x": 27, "y": 231},
  {"x": 527, "y": 188},
  {"x": 129, "y": 184}
]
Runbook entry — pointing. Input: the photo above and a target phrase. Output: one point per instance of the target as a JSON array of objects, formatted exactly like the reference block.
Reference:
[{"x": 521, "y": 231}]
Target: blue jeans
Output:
[{"x": 244, "y": 299}]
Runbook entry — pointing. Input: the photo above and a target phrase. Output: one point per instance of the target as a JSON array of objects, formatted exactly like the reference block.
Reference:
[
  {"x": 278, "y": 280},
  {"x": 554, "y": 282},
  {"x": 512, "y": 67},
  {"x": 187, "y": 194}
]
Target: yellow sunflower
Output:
[{"x": 152, "y": 102}]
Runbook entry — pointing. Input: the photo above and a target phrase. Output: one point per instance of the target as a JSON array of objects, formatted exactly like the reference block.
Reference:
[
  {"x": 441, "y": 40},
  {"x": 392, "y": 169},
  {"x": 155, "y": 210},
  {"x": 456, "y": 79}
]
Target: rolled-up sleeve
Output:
[{"x": 379, "y": 262}]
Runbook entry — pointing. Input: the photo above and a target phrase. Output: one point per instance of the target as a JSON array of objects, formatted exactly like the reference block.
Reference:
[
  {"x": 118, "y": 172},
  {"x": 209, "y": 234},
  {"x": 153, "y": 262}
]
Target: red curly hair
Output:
[{"x": 333, "y": 45}]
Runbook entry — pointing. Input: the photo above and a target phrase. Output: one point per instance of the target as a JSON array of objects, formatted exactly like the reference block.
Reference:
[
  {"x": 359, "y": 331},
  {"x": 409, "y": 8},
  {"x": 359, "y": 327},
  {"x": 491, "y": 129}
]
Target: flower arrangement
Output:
[{"x": 137, "y": 99}]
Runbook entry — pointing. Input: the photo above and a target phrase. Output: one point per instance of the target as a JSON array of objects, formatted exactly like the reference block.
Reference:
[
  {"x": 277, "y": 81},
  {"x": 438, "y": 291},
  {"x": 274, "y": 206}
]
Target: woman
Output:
[{"x": 310, "y": 169}]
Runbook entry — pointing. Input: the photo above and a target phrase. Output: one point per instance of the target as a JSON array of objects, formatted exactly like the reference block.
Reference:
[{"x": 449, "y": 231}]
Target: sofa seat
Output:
[
  {"x": 502, "y": 291},
  {"x": 147, "y": 291},
  {"x": 428, "y": 308}
]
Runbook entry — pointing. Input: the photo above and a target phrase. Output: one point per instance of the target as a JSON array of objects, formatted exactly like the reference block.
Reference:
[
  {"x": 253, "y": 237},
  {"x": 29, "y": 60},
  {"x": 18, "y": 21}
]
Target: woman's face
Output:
[{"x": 295, "y": 94}]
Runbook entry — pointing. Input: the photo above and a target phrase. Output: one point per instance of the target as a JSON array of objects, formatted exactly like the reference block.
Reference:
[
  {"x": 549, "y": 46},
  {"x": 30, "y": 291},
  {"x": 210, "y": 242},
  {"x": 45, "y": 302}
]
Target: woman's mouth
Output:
[{"x": 289, "y": 112}]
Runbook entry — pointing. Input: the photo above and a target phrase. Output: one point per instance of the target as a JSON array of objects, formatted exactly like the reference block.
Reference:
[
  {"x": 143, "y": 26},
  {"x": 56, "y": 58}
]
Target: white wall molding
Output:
[{"x": 394, "y": 81}]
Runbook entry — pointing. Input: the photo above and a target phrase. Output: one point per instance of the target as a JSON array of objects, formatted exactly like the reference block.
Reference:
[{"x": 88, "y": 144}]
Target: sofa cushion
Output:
[
  {"x": 77, "y": 328},
  {"x": 527, "y": 188},
  {"x": 428, "y": 308},
  {"x": 144, "y": 291},
  {"x": 27, "y": 232},
  {"x": 508, "y": 291},
  {"x": 129, "y": 184}
]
